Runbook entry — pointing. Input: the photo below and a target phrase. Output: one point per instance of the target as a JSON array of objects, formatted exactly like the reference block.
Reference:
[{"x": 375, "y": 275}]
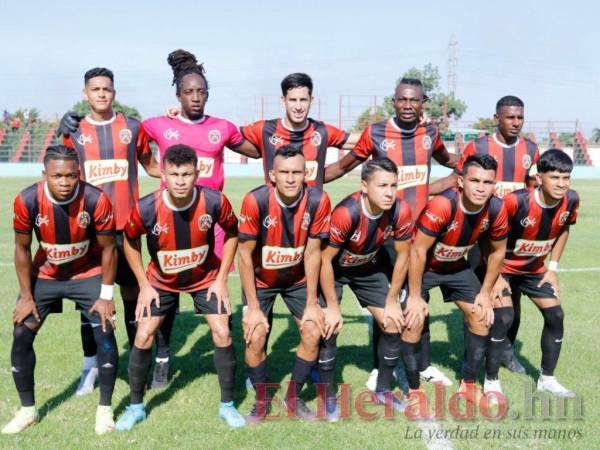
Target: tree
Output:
[
  {"x": 485, "y": 124},
  {"x": 434, "y": 107},
  {"x": 82, "y": 108}
]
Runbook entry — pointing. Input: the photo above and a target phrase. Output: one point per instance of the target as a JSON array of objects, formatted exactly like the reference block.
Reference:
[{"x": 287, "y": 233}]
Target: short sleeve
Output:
[
  {"x": 364, "y": 145},
  {"x": 227, "y": 218},
  {"x": 104, "y": 219},
  {"x": 319, "y": 228},
  {"x": 249, "y": 228},
  {"x": 574, "y": 211},
  {"x": 340, "y": 227},
  {"x": 68, "y": 142},
  {"x": 499, "y": 227},
  {"x": 143, "y": 142},
  {"x": 253, "y": 133},
  {"x": 134, "y": 228},
  {"x": 21, "y": 217},
  {"x": 336, "y": 137},
  {"x": 438, "y": 145},
  {"x": 435, "y": 216},
  {"x": 235, "y": 138},
  {"x": 404, "y": 226}
]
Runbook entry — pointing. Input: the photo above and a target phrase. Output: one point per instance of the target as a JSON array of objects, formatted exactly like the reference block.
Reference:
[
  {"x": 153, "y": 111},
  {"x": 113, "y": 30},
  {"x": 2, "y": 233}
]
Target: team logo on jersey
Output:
[
  {"x": 83, "y": 219},
  {"x": 270, "y": 222},
  {"x": 485, "y": 224},
  {"x": 205, "y": 222},
  {"x": 525, "y": 247},
  {"x": 446, "y": 253},
  {"x": 281, "y": 257},
  {"x": 214, "y": 136},
  {"x": 387, "y": 145},
  {"x": 63, "y": 253},
  {"x": 453, "y": 226},
  {"x": 356, "y": 236},
  {"x": 171, "y": 134},
  {"x": 125, "y": 136},
  {"x": 336, "y": 232},
  {"x": 276, "y": 140},
  {"x": 102, "y": 171},
  {"x": 158, "y": 229},
  {"x": 348, "y": 259},
  {"x": 562, "y": 219},
  {"x": 316, "y": 139},
  {"x": 305, "y": 221},
  {"x": 410, "y": 176},
  {"x": 526, "y": 161},
  {"x": 41, "y": 220},
  {"x": 175, "y": 261},
  {"x": 387, "y": 232},
  {"x": 85, "y": 139},
  {"x": 105, "y": 219},
  {"x": 244, "y": 218},
  {"x": 205, "y": 167},
  {"x": 431, "y": 216},
  {"x": 426, "y": 142},
  {"x": 528, "y": 222},
  {"x": 311, "y": 170}
]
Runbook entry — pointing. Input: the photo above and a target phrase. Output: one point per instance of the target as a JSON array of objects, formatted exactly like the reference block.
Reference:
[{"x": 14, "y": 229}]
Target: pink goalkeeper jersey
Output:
[{"x": 208, "y": 136}]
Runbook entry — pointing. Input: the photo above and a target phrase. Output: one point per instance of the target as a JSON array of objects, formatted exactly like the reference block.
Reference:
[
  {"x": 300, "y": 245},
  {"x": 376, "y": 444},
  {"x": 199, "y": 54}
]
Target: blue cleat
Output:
[
  {"x": 230, "y": 414},
  {"x": 333, "y": 412},
  {"x": 387, "y": 397},
  {"x": 133, "y": 414}
]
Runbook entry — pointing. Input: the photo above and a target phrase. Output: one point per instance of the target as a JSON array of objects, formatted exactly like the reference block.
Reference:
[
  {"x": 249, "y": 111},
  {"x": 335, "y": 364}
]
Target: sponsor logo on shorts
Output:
[
  {"x": 41, "y": 220},
  {"x": 528, "y": 222},
  {"x": 316, "y": 139},
  {"x": 83, "y": 219},
  {"x": 171, "y": 134},
  {"x": 102, "y": 171},
  {"x": 281, "y": 257},
  {"x": 348, "y": 259},
  {"x": 205, "y": 222},
  {"x": 410, "y": 176},
  {"x": 205, "y": 167},
  {"x": 562, "y": 219},
  {"x": 270, "y": 222},
  {"x": 63, "y": 253},
  {"x": 157, "y": 229},
  {"x": 305, "y": 221},
  {"x": 443, "y": 252},
  {"x": 506, "y": 187},
  {"x": 175, "y": 261},
  {"x": 312, "y": 167},
  {"x": 85, "y": 139},
  {"x": 125, "y": 136},
  {"x": 276, "y": 140},
  {"x": 526, "y": 161},
  {"x": 387, "y": 145},
  {"x": 525, "y": 247},
  {"x": 426, "y": 142},
  {"x": 214, "y": 136}
]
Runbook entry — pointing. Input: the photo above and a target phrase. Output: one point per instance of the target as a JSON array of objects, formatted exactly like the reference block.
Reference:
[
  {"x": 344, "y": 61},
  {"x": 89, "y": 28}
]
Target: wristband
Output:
[
  {"x": 107, "y": 291},
  {"x": 553, "y": 265}
]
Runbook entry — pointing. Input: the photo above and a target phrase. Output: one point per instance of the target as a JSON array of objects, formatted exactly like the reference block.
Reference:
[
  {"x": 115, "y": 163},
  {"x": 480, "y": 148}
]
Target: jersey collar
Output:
[
  {"x": 466, "y": 211},
  {"x": 291, "y": 205},
  {"x": 294, "y": 130},
  {"x": 505, "y": 145},
  {"x": 402, "y": 130},
  {"x": 366, "y": 212},
  {"x": 99, "y": 123},
  {"x": 167, "y": 200},
  {"x": 538, "y": 199},
  {"x": 64, "y": 202},
  {"x": 191, "y": 122}
]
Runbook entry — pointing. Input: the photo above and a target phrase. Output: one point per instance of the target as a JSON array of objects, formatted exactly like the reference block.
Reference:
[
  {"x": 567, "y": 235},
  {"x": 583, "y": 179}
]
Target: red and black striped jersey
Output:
[
  {"x": 359, "y": 235},
  {"x": 108, "y": 158},
  {"x": 269, "y": 135},
  {"x": 281, "y": 232},
  {"x": 534, "y": 227},
  {"x": 66, "y": 231},
  {"x": 411, "y": 150},
  {"x": 456, "y": 230},
  {"x": 514, "y": 161},
  {"x": 181, "y": 241}
]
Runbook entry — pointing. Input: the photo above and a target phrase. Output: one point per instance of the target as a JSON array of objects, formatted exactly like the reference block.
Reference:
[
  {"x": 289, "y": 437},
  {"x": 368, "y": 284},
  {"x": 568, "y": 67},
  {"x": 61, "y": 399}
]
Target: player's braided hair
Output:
[
  {"x": 184, "y": 63},
  {"x": 62, "y": 152}
]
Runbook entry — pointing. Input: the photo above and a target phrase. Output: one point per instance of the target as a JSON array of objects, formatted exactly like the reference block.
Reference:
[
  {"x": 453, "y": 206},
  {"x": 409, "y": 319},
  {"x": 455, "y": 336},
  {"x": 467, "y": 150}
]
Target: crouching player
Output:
[
  {"x": 539, "y": 220},
  {"x": 360, "y": 224},
  {"x": 74, "y": 225},
  {"x": 448, "y": 227},
  {"x": 178, "y": 222},
  {"x": 281, "y": 228}
]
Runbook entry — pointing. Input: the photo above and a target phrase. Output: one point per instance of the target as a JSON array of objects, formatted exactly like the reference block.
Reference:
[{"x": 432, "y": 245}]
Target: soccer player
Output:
[
  {"x": 359, "y": 225},
  {"x": 448, "y": 227},
  {"x": 74, "y": 224},
  {"x": 410, "y": 145},
  {"x": 516, "y": 157},
  {"x": 178, "y": 222},
  {"x": 282, "y": 226},
  {"x": 539, "y": 221},
  {"x": 109, "y": 146}
]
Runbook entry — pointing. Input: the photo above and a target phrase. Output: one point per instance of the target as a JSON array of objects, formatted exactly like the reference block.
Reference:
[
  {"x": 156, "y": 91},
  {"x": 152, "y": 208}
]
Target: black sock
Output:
[
  {"x": 163, "y": 336},
  {"x": 425, "y": 358},
  {"x": 410, "y": 356},
  {"x": 514, "y": 328},
  {"x": 130, "y": 323},
  {"x": 108, "y": 360},
  {"x": 497, "y": 341},
  {"x": 552, "y": 337},
  {"x": 475, "y": 350},
  {"x": 140, "y": 361},
  {"x": 22, "y": 357},
  {"x": 88, "y": 342},
  {"x": 375, "y": 344},
  {"x": 327, "y": 357},
  {"x": 389, "y": 353},
  {"x": 224, "y": 359},
  {"x": 300, "y": 374}
]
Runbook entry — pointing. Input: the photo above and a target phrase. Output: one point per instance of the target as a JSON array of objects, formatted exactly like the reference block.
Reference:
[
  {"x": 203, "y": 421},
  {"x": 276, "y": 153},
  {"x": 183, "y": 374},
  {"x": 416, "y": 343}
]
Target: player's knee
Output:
[
  {"x": 23, "y": 336},
  {"x": 504, "y": 316},
  {"x": 144, "y": 337},
  {"x": 554, "y": 316},
  {"x": 412, "y": 334},
  {"x": 221, "y": 335},
  {"x": 391, "y": 346},
  {"x": 328, "y": 353},
  {"x": 310, "y": 334}
]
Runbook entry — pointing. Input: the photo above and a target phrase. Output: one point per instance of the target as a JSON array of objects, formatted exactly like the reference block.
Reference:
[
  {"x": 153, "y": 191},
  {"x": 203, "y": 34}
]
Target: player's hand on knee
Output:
[
  {"x": 69, "y": 123},
  {"x": 482, "y": 308},
  {"x": 24, "y": 308},
  {"x": 551, "y": 277},
  {"x": 253, "y": 318},
  {"x": 392, "y": 313},
  {"x": 415, "y": 312},
  {"x": 333, "y": 321},
  {"x": 313, "y": 313},
  {"x": 106, "y": 310},
  {"x": 144, "y": 304},
  {"x": 220, "y": 291}
]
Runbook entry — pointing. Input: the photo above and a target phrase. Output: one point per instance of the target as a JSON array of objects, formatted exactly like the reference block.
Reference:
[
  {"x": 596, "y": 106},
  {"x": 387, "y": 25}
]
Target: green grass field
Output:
[{"x": 185, "y": 414}]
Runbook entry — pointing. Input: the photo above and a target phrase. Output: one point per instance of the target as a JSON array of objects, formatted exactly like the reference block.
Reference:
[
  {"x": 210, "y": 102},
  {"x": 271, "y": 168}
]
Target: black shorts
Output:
[
  {"x": 462, "y": 285},
  {"x": 125, "y": 276},
  {"x": 293, "y": 296},
  {"x": 48, "y": 296},
  {"x": 527, "y": 284},
  {"x": 169, "y": 302},
  {"x": 386, "y": 257}
]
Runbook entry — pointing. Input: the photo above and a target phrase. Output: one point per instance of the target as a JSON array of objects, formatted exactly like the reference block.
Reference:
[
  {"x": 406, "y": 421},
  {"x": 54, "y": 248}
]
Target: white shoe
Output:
[
  {"x": 492, "y": 386},
  {"x": 24, "y": 417},
  {"x": 371, "y": 383},
  {"x": 435, "y": 375},
  {"x": 87, "y": 381},
  {"x": 105, "y": 422},
  {"x": 550, "y": 384}
]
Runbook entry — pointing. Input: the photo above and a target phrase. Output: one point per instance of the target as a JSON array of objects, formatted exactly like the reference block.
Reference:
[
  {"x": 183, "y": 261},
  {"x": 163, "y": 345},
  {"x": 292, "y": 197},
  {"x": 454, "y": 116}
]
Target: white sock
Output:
[
  {"x": 28, "y": 409},
  {"x": 545, "y": 377},
  {"x": 162, "y": 360},
  {"x": 89, "y": 362}
]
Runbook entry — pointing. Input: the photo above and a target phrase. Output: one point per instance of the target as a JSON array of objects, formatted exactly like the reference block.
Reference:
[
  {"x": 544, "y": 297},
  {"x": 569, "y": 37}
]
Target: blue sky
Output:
[{"x": 543, "y": 51}]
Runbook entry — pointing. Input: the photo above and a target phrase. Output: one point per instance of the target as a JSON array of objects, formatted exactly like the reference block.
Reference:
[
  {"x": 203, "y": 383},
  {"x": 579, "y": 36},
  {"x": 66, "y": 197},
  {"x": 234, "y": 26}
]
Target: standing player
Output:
[
  {"x": 282, "y": 225},
  {"x": 109, "y": 146},
  {"x": 539, "y": 221},
  {"x": 73, "y": 222},
  {"x": 410, "y": 146},
  {"x": 359, "y": 225},
  {"x": 179, "y": 222},
  {"x": 448, "y": 227}
]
